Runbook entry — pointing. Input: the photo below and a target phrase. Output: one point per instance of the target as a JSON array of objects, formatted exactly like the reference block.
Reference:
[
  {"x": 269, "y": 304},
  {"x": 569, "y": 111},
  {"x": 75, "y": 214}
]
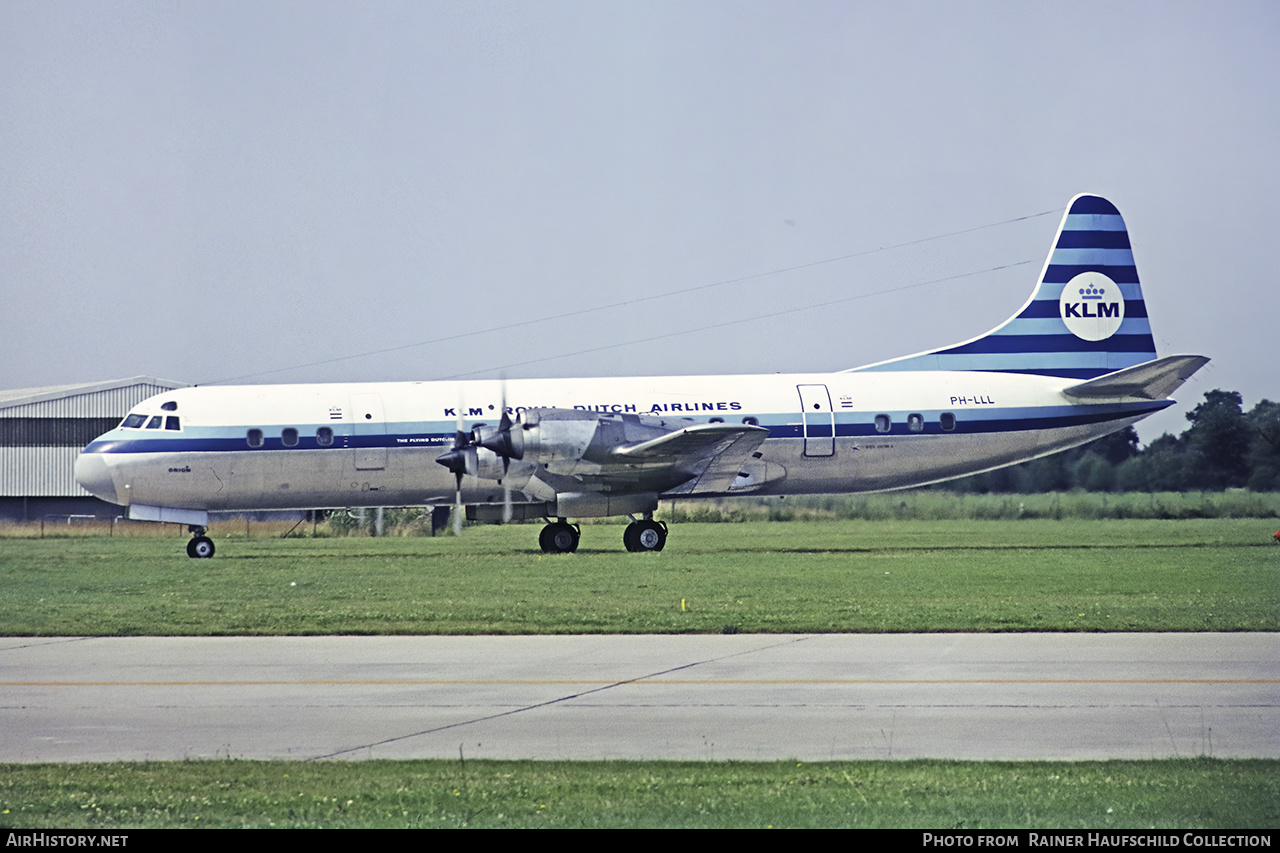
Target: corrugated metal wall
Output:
[
  {"x": 39, "y": 472},
  {"x": 27, "y": 471}
]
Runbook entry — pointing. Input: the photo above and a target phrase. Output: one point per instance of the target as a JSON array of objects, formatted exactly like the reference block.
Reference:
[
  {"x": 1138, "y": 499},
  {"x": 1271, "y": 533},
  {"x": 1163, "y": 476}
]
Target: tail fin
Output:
[{"x": 1085, "y": 318}]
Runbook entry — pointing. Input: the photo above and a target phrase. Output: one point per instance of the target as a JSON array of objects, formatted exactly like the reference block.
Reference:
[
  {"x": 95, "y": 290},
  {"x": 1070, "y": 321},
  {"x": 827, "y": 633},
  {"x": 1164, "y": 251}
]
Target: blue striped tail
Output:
[{"x": 1086, "y": 317}]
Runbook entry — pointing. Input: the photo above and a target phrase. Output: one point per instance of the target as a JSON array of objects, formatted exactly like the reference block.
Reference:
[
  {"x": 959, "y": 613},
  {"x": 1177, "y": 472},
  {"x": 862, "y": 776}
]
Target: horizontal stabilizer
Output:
[{"x": 1151, "y": 380}]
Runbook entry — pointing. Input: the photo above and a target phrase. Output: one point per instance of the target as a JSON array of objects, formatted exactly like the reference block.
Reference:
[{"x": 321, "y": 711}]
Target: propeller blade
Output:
[
  {"x": 457, "y": 509},
  {"x": 458, "y": 465}
]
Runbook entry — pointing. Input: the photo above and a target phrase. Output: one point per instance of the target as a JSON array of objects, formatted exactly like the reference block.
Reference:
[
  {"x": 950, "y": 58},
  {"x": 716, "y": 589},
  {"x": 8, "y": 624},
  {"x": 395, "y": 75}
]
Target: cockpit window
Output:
[
  {"x": 171, "y": 422},
  {"x": 155, "y": 422},
  {"x": 170, "y": 406},
  {"x": 134, "y": 421}
]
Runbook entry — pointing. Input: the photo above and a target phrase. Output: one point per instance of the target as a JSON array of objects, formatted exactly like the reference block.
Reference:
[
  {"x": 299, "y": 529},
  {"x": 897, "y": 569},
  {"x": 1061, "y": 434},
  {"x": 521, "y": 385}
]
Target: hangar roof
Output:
[{"x": 110, "y": 394}]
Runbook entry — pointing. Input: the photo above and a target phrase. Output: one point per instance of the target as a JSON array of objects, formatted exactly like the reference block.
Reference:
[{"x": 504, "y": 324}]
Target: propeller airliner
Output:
[{"x": 1076, "y": 362}]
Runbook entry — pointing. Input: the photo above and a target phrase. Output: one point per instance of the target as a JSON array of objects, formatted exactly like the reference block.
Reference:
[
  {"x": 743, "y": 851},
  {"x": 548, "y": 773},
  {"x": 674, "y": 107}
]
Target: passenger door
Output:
[
  {"x": 368, "y": 432},
  {"x": 819, "y": 420}
]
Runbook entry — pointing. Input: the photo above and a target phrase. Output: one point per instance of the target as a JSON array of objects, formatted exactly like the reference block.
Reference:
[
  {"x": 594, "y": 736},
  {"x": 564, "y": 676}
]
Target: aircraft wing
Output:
[{"x": 712, "y": 453}]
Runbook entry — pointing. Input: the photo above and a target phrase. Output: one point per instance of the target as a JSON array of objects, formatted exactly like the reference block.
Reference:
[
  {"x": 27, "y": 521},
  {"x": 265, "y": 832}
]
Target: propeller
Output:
[
  {"x": 506, "y": 440},
  {"x": 461, "y": 460}
]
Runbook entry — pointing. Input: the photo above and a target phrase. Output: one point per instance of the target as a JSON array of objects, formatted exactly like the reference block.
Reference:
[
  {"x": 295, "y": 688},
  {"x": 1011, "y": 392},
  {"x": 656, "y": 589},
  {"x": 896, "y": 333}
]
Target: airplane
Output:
[{"x": 1076, "y": 362}]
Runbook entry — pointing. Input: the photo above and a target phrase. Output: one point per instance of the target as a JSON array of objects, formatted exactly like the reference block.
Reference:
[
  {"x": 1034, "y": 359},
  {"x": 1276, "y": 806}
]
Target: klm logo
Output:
[{"x": 1092, "y": 306}]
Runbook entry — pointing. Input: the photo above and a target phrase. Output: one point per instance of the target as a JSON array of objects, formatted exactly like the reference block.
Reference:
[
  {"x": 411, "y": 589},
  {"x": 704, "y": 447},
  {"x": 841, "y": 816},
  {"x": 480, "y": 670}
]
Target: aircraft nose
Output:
[{"x": 94, "y": 477}]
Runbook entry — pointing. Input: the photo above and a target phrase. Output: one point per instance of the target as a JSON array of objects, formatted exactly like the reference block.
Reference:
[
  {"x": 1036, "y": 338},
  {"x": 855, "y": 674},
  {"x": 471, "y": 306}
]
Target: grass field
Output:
[
  {"x": 1188, "y": 794},
  {"x": 845, "y": 576}
]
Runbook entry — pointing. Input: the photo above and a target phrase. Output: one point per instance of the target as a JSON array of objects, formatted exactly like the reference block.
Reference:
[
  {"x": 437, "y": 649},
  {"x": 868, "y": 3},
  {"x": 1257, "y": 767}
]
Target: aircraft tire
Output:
[
  {"x": 648, "y": 535},
  {"x": 200, "y": 548},
  {"x": 558, "y": 537}
]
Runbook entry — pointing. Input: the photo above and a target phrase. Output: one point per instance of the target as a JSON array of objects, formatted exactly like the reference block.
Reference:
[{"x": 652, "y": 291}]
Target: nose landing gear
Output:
[{"x": 200, "y": 547}]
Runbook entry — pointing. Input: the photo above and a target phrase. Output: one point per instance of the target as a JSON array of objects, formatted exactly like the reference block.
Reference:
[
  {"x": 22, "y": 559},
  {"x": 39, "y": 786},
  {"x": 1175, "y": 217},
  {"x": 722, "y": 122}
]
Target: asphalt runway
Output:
[{"x": 747, "y": 696}]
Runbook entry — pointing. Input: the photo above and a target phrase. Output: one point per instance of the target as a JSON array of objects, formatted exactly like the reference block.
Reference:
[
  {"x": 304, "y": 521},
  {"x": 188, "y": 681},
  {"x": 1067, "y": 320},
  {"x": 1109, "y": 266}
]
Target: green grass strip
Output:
[
  {"x": 1186, "y": 794},
  {"x": 832, "y": 576}
]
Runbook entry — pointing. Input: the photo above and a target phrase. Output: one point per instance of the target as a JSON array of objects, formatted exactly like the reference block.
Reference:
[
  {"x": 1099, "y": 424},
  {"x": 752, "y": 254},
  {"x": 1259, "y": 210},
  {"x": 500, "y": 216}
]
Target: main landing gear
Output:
[
  {"x": 647, "y": 535},
  {"x": 200, "y": 547},
  {"x": 560, "y": 537}
]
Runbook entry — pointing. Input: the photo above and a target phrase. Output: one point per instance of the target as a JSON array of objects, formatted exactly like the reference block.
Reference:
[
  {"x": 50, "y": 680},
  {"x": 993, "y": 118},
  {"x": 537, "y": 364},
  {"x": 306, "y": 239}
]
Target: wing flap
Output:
[{"x": 712, "y": 453}]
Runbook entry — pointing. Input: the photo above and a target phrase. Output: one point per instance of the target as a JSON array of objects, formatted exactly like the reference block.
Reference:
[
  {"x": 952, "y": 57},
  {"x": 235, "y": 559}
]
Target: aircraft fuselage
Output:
[{"x": 348, "y": 445}]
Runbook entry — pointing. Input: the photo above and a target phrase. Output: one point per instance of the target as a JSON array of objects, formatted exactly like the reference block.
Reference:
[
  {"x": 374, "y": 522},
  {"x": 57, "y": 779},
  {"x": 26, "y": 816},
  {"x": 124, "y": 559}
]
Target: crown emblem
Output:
[{"x": 1092, "y": 292}]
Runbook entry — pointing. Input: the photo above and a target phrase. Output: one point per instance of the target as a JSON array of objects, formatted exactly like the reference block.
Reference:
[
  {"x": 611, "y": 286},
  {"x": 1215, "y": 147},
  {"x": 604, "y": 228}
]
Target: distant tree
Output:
[
  {"x": 1218, "y": 441},
  {"x": 1264, "y": 446},
  {"x": 1093, "y": 473},
  {"x": 1116, "y": 447},
  {"x": 1160, "y": 468}
]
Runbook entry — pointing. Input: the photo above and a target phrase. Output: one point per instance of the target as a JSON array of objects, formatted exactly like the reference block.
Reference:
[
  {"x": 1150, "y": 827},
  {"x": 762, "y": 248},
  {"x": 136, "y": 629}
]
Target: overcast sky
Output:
[{"x": 204, "y": 191}]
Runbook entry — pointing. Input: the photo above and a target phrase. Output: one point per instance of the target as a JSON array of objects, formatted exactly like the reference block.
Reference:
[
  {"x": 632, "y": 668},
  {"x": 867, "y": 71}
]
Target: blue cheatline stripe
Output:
[
  {"x": 1057, "y": 273},
  {"x": 1094, "y": 240},
  {"x": 1049, "y": 308}
]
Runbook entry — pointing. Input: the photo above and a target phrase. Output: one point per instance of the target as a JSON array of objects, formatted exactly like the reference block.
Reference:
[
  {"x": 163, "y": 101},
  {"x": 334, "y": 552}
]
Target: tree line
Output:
[{"x": 1224, "y": 447}]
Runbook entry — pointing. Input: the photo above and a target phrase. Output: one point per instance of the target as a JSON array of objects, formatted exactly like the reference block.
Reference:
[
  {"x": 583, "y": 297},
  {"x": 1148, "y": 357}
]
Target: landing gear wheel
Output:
[
  {"x": 200, "y": 548},
  {"x": 647, "y": 535},
  {"x": 559, "y": 537}
]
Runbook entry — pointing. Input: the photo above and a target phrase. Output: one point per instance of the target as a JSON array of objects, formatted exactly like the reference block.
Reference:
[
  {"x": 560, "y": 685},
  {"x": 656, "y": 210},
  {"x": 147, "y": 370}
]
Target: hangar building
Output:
[{"x": 41, "y": 432}]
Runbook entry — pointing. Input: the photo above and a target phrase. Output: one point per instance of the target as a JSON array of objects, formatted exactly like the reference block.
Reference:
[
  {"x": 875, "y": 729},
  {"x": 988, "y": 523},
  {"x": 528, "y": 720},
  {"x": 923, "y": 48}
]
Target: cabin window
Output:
[
  {"x": 948, "y": 421},
  {"x": 715, "y": 420},
  {"x": 254, "y": 438},
  {"x": 155, "y": 422},
  {"x": 324, "y": 437},
  {"x": 170, "y": 406},
  {"x": 751, "y": 420},
  {"x": 915, "y": 422},
  {"x": 171, "y": 422},
  {"x": 134, "y": 421},
  {"x": 290, "y": 437},
  {"x": 883, "y": 423}
]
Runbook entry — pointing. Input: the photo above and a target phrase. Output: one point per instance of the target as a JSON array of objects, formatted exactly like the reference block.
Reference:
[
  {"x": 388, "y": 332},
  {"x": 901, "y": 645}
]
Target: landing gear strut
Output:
[
  {"x": 200, "y": 547},
  {"x": 559, "y": 537},
  {"x": 647, "y": 535}
]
